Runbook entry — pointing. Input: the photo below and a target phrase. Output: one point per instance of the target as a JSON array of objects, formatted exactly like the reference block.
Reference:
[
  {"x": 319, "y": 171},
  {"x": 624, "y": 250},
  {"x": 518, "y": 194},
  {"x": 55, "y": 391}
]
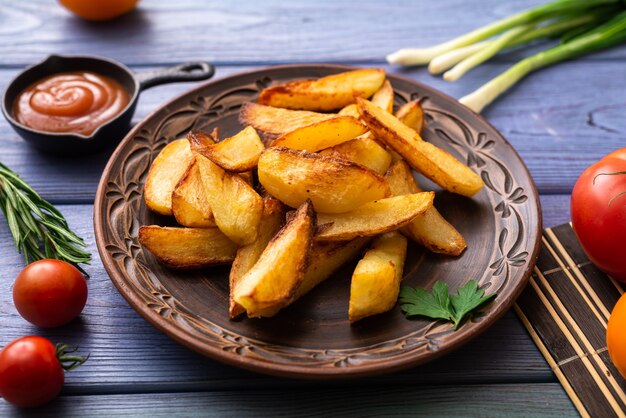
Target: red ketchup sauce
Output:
[{"x": 73, "y": 102}]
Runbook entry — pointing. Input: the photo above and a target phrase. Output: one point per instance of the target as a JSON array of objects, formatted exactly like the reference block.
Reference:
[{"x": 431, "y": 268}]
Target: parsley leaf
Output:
[
  {"x": 439, "y": 304},
  {"x": 436, "y": 305},
  {"x": 468, "y": 298}
]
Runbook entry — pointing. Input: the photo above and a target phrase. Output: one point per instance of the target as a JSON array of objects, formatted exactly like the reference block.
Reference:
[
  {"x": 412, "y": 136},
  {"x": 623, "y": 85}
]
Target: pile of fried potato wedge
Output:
[{"x": 300, "y": 191}]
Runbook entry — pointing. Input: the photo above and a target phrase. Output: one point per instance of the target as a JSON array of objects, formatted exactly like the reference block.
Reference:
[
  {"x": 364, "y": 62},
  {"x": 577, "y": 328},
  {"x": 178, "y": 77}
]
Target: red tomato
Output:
[
  {"x": 50, "y": 293},
  {"x": 598, "y": 208},
  {"x": 30, "y": 373}
]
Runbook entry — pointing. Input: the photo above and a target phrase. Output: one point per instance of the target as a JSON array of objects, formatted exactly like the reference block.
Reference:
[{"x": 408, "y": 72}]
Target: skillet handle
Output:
[{"x": 190, "y": 71}]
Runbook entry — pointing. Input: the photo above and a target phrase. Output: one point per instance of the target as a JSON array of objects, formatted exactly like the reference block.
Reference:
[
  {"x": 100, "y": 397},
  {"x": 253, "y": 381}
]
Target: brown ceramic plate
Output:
[{"x": 312, "y": 338}]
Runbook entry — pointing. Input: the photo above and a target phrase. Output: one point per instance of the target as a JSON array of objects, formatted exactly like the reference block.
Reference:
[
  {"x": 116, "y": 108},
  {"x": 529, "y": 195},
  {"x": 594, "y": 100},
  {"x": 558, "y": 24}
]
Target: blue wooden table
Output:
[{"x": 560, "y": 121}]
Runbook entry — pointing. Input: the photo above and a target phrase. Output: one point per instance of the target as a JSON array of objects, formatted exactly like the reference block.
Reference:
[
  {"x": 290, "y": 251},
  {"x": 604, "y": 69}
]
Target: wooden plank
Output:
[
  {"x": 246, "y": 32},
  {"x": 515, "y": 400},
  {"x": 558, "y": 128},
  {"x": 129, "y": 355},
  {"x": 556, "y": 209}
]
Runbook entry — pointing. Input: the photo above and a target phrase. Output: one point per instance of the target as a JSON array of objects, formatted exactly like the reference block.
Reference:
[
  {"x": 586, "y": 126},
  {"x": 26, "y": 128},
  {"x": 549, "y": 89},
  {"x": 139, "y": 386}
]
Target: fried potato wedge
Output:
[
  {"x": 364, "y": 151},
  {"x": 373, "y": 218},
  {"x": 412, "y": 115},
  {"x": 429, "y": 229},
  {"x": 215, "y": 134},
  {"x": 326, "y": 93},
  {"x": 433, "y": 162},
  {"x": 376, "y": 280},
  {"x": 248, "y": 255},
  {"x": 236, "y": 206},
  {"x": 383, "y": 98},
  {"x": 350, "y": 110},
  {"x": 189, "y": 204},
  {"x": 273, "y": 120},
  {"x": 320, "y": 135},
  {"x": 166, "y": 170},
  {"x": 239, "y": 153},
  {"x": 325, "y": 259},
  {"x": 187, "y": 248},
  {"x": 273, "y": 281},
  {"x": 332, "y": 185}
]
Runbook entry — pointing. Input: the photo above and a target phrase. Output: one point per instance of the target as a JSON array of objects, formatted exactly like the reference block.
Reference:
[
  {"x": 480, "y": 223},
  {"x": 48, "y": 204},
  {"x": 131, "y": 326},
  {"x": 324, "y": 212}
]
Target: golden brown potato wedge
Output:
[
  {"x": 187, "y": 248},
  {"x": 376, "y": 280},
  {"x": 274, "y": 120},
  {"x": 429, "y": 229},
  {"x": 325, "y": 259},
  {"x": 333, "y": 185},
  {"x": 383, "y": 98},
  {"x": 412, "y": 115},
  {"x": 320, "y": 135},
  {"x": 364, "y": 151},
  {"x": 433, "y": 162},
  {"x": 350, "y": 110},
  {"x": 373, "y": 218},
  {"x": 326, "y": 93},
  {"x": 274, "y": 280},
  {"x": 248, "y": 255},
  {"x": 166, "y": 171},
  {"x": 215, "y": 134},
  {"x": 394, "y": 155},
  {"x": 239, "y": 153},
  {"x": 189, "y": 204},
  {"x": 237, "y": 208}
]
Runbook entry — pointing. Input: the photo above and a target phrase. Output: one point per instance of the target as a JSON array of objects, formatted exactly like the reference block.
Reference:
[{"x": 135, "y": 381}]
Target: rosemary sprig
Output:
[{"x": 39, "y": 230}]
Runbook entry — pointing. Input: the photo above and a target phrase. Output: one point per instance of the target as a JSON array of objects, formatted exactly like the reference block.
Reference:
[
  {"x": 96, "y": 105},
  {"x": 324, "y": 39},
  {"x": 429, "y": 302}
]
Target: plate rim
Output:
[{"x": 400, "y": 362}]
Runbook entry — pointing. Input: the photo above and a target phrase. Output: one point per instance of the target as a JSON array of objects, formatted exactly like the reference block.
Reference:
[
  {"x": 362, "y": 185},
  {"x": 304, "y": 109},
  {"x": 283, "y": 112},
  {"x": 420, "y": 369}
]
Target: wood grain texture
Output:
[
  {"x": 129, "y": 355},
  {"x": 555, "y": 208},
  {"x": 514, "y": 400},
  {"x": 244, "y": 32},
  {"x": 560, "y": 121}
]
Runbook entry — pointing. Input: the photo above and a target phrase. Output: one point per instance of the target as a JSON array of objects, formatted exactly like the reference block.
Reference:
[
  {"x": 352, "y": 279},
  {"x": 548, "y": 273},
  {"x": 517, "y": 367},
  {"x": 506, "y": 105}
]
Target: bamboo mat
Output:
[{"x": 565, "y": 308}]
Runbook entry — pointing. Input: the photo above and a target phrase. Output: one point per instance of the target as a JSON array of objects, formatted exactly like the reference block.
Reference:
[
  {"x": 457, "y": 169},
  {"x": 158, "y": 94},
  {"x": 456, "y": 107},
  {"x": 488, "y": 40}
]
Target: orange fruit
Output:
[
  {"x": 616, "y": 335},
  {"x": 99, "y": 9}
]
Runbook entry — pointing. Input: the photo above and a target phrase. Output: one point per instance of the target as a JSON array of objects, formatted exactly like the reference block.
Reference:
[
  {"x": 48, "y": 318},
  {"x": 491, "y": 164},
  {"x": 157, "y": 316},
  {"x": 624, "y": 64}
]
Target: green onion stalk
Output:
[
  {"x": 584, "y": 26},
  {"x": 422, "y": 56},
  {"x": 484, "y": 53},
  {"x": 604, "y": 36},
  {"x": 565, "y": 26}
]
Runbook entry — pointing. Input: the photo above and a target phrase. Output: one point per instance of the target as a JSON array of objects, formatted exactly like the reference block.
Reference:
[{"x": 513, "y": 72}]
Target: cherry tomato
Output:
[
  {"x": 598, "y": 208},
  {"x": 616, "y": 337},
  {"x": 99, "y": 9},
  {"x": 50, "y": 293},
  {"x": 30, "y": 372}
]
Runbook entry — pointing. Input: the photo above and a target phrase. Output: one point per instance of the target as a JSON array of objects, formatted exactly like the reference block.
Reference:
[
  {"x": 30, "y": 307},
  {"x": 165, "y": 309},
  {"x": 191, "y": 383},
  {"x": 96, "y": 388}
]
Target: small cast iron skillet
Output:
[{"x": 111, "y": 131}]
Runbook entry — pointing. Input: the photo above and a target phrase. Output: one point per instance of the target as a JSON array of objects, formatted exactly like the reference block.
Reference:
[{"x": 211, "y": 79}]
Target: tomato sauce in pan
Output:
[{"x": 73, "y": 102}]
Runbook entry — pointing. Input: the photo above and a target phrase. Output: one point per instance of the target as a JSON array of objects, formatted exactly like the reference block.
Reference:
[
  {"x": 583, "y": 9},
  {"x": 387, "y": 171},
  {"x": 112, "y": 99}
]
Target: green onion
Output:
[
  {"x": 420, "y": 56},
  {"x": 566, "y": 26},
  {"x": 606, "y": 35},
  {"x": 447, "y": 60},
  {"x": 483, "y": 54},
  {"x": 582, "y": 25}
]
